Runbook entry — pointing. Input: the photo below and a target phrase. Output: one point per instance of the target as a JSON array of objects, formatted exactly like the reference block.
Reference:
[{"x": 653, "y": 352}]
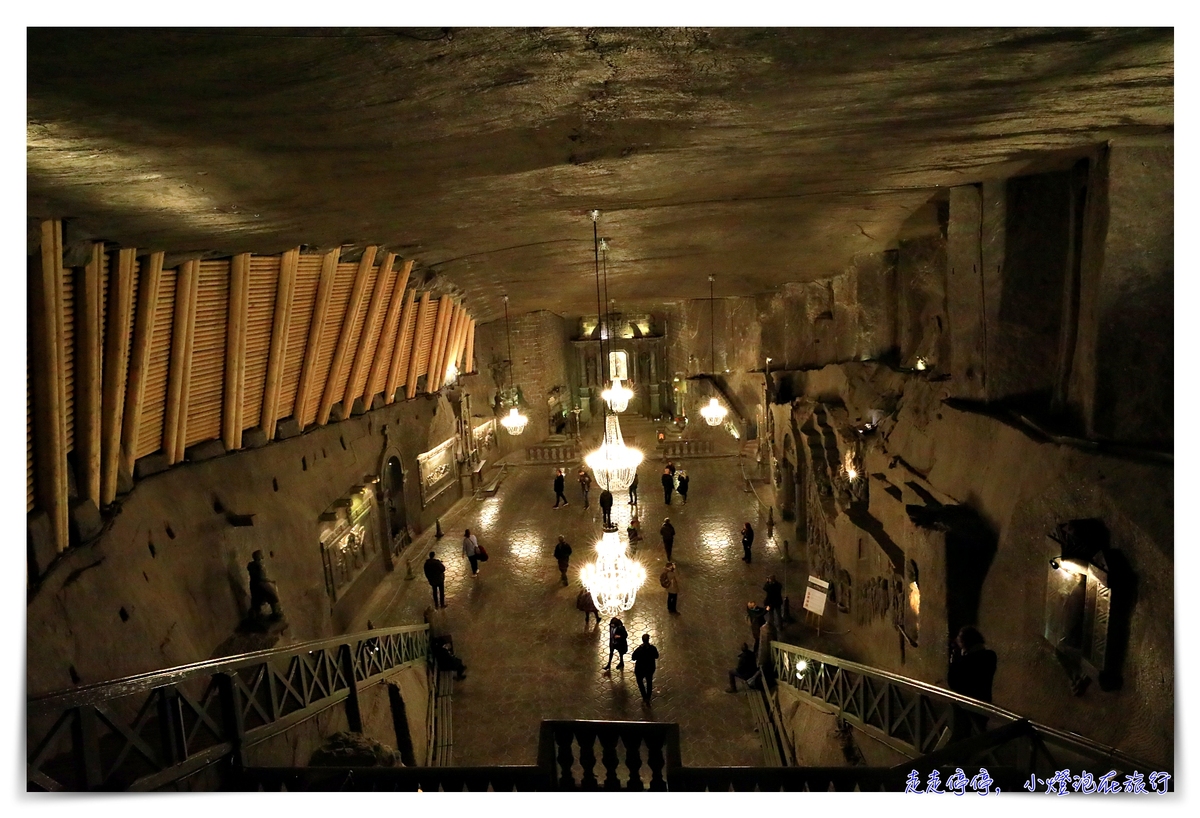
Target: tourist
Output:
[
  {"x": 562, "y": 553},
  {"x": 774, "y": 600},
  {"x": 585, "y": 603},
  {"x": 262, "y": 590},
  {"x": 668, "y": 484},
  {"x": 471, "y": 551},
  {"x": 757, "y": 616},
  {"x": 682, "y": 488},
  {"x": 634, "y": 531},
  {"x": 585, "y": 485},
  {"x": 668, "y": 536},
  {"x": 606, "y": 504},
  {"x": 435, "y": 572},
  {"x": 633, "y": 490},
  {"x": 671, "y": 468},
  {"x": 746, "y": 670},
  {"x": 444, "y": 659},
  {"x": 670, "y": 581},
  {"x": 560, "y": 484},
  {"x": 644, "y": 658},
  {"x": 747, "y": 541},
  {"x": 766, "y": 635},
  {"x": 972, "y": 665},
  {"x": 618, "y": 643}
]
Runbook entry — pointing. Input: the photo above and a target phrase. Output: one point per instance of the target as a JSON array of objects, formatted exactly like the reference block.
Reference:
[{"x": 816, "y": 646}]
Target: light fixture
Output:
[
  {"x": 617, "y": 396},
  {"x": 514, "y": 422},
  {"x": 801, "y": 666},
  {"x": 613, "y": 464},
  {"x": 613, "y": 579},
  {"x": 714, "y": 413},
  {"x": 850, "y": 467},
  {"x": 451, "y": 373},
  {"x": 921, "y": 364}
]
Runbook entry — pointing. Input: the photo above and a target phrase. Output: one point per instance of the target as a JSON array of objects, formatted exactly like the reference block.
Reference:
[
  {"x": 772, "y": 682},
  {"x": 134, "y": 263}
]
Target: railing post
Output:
[
  {"x": 235, "y": 725},
  {"x": 353, "y": 713},
  {"x": 170, "y": 725},
  {"x": 87, "y": 745}
]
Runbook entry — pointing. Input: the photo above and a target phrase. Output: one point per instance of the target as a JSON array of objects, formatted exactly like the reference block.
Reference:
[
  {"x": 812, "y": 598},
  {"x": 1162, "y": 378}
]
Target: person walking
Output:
[
  {"x": 668, "y": 484},
  {"x": 435, "y": 572},
  {"x": 471, "y": 551},
  {"x": 560, "y": 484},
  {"x": 618, "y": 643},
  {"x": 645, "y": 659},
  {"x": 633, "y": 490},
  {"x": 585, "y": 603},
  {"x": 562, "y": 553},
  {"x": 585, "y": 485},
  {"x": 668, "y": 536},
  {"x": 670, "y": 581},
  {"x": 747, "y": 541},
  {"x": 606, "y": 503},
  {"x": 774, "y": 600},
  {"x": 682, "y": 488}
]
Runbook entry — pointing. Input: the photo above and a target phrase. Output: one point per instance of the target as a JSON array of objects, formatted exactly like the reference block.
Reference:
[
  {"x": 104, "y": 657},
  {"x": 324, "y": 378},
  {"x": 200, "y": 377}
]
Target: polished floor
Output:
[{"x": 528, "y": 655}]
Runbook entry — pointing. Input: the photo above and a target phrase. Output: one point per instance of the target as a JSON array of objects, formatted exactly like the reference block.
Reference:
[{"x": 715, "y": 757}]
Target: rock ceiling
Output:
[{"x": 762, "y": 156}]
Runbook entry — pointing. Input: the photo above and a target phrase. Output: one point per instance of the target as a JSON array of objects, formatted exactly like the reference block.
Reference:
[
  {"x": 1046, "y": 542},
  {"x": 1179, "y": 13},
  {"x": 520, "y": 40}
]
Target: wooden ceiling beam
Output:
[
  {"x": 398, "y": 370},
  {"x": 118, "y": 327},
  {"x": 469, "y": 357},
  {"x": 149, "y": 280},
  {"x": 378, "y": 296},
  {"x": 339, "y": 352},
  {"x": 89, "y": 349},
  {"x": 414, "y": 357},
  {"x": 316, "y": 329},
  {"x": 187, "y": 283},
  {"x": 235, "y": 351},
  {"x": 390, "y": 322},
  {"x": 440, "y": 330},
  {"x": 285, "y": 291}
]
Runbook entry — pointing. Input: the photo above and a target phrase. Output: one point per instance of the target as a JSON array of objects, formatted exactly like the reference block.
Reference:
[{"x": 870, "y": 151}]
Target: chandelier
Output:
[
  {"x": 714, "y": 413},
  {"x": 514, "y": 422},
  {"x": 617, "y": 396},
  {"x": 613, "y": 579},
  {"x": 613, "y": 464}
]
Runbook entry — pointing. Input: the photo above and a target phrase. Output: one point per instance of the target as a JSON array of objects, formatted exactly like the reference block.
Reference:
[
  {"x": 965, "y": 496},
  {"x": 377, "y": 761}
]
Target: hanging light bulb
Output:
[
  {"x": 613, "y": 579},
  {"x": 714, "y": 413},
  {"x": 514, "y": 422},
  {"x": 617, "y": 396},
  {"x": 614, "y": 464}
]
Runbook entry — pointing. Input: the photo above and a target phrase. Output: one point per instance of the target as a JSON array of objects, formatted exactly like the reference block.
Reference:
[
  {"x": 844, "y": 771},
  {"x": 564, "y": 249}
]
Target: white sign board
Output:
[{"x": 815, "y": 595}]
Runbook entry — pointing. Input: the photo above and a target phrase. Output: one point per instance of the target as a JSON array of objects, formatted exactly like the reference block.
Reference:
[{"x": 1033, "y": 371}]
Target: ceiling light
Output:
[{"x": 613, "y": 579}]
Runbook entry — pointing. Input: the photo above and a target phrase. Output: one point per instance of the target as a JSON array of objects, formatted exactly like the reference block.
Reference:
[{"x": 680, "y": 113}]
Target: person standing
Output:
[
  {"x": 262, "y": 590},
  {"x": 585, "y": 603},
  {"x": 670, "y": 581},
  {"x": 435, "y": 572},
  {"x": 682, "y": 488},
  {"x": 562, "y": 553},
  {"x": 585, "y": 485},
  {"x": 774, "y": 600},
  {"x": 668, "y": 536},
  {"x": 471, "y": 551},
  {"x": 606, "y": 503},
  {"x": 747, "y": 541},
  {"x": 668, "y": 484},
  {"x": 618, "y": 642},
  {"x": 645, "y": 659},
  {"x": 972, "y": 665},
  {"x": 560, "y": 485},
  {"x": 757, "y": 616},
  {"x": 633, "y": 490},
  {"x": 766, "y": 636},
  {"x": 671, "y": 468}
]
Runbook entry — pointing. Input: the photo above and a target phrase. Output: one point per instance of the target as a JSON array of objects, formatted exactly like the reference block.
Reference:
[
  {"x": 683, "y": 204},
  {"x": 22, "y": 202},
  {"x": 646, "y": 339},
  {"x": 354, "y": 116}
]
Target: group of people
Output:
[
  {"x": 674, "y": 481},
  {"x": 645, "y": 657}
]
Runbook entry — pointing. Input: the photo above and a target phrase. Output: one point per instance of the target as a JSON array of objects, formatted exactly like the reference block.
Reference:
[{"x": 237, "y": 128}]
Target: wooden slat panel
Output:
[
  {"x": 368, "y": 343},
  {"x": 381, "y": 364},
  {"x": 398, "y": 373},
  {"x": 339, "y": 371},
  {"x": 469, "y": 355},
  {"x": 235, "y": 351},
  {"x": 422, "y": 341},
  {"x": 207, "y": 389},
  {"x": 433, "y": 374},
  {"x": 339, "y": 299},
  {"x": 282, "y": 319},
  {"x": 264, "y": 280},
  {"x": 304, "y": 297},
  {"x": 175, "y": 424},
  {"x": 154, "y": 396},
  {"x": 118, "y": 332},
  {"x": 146, "y": 312},
  {"x": 49, "y": 387},
  {"x": 83, "y": 321}
]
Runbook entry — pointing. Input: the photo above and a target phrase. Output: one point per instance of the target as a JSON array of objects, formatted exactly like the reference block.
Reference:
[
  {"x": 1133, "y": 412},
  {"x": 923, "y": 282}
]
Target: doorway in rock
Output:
[{"x": 393, "y": 494}]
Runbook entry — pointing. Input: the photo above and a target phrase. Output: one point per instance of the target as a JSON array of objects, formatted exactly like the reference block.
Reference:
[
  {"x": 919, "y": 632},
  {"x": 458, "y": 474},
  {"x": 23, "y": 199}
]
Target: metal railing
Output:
[
  {"x": 936, "y": 726},
  {"x": 151, "y": 730}
]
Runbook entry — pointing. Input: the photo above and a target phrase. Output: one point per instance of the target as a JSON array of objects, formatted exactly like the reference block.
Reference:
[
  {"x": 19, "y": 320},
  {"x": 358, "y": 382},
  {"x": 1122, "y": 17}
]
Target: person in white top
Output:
[{"x": 471, "y": 551}]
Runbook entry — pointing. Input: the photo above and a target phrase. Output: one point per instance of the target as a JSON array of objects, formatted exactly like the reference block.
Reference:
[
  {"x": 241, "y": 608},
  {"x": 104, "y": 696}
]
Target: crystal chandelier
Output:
[
  {"x": 514, "y": 422},
  {"x": 617, "y": 396},
  {"x": 613, "y": 579},
  {"x": 614, "y": 464},
  {"x": 714, "y": 412}
]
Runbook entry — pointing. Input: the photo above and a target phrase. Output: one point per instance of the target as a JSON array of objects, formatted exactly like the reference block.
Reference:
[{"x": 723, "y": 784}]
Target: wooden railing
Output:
[{"x": 148, "y": 731}]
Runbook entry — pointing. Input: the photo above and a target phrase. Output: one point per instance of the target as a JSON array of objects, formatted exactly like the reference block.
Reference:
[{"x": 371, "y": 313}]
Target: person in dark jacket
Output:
[
  {"x": 585, "y": 485},
  {"x": 746, "y": 670},
  {"x": 585, "y": 603},
  {"x": 645, "y": 660},
  {"x": 972, "y": 665},
  {"x": 682, "y": 488},
  {"x": 560, "y": 484},
  {"x": 668, "y": 536},
  {"x": 618, "y": 643},
  {"x": 562, "y": 553},
  {"x": 668, "y": 484},
  {"x": 606, "y": 503},
  {"x": 774, "y": 600},
  {"x": 633, "y": 487},
  {"x": 262, "y": 590},
  {"x": 747, "y": 541},
  {"x": 757, "y": 616},
  {"x": 435, "y": 572}
]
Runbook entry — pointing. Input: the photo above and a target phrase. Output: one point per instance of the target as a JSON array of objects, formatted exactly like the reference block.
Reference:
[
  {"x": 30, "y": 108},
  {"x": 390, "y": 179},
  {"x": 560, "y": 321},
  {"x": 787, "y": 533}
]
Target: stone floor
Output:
[{"x": 529, "y": 657}]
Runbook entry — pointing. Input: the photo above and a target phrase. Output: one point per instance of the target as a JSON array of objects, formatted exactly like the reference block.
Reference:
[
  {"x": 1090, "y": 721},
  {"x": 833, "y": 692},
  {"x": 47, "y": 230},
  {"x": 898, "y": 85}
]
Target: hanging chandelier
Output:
[
  {"x": 613, "y": 579},
  {"x": 617, "y": 396},
  {"x": 613, "y": 464},
  {"x": 514, "y": 422},
  {"x": 714, "y": 413}
]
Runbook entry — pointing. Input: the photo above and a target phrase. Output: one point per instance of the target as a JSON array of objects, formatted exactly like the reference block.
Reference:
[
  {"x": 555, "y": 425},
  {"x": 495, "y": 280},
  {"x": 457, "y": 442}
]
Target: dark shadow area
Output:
[{"x": 970, "y": 549}]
